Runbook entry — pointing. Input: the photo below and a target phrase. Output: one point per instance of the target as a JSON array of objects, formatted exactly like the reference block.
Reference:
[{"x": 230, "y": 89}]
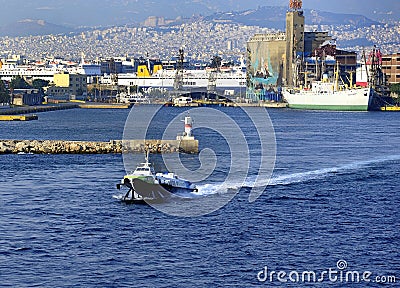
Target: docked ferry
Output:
[{"x": 164, "y": 78}]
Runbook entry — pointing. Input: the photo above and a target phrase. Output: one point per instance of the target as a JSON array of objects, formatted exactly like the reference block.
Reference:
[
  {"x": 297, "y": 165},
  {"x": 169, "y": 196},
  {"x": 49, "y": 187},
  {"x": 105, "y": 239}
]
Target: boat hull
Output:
[
  {"x": 329, "y": 107},
  {"x": 143, "y": 192}
]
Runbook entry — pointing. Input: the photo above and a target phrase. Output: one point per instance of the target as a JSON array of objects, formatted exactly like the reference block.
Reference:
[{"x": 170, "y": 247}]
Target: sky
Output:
[{"x": 113, "y": 12}]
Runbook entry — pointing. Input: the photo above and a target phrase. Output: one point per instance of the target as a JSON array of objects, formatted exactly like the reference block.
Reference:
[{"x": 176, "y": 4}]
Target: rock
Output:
[
  {"x": 75, "y": 148},
  {"x": 86, "y": 147},
  {"x": 22, "y": 147},
  {"x": 5, "y": 149}
]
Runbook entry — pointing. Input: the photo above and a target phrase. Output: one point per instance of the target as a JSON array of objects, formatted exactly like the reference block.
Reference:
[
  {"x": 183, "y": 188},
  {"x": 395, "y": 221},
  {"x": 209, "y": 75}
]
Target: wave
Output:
[{"x": 294, "y": 178}]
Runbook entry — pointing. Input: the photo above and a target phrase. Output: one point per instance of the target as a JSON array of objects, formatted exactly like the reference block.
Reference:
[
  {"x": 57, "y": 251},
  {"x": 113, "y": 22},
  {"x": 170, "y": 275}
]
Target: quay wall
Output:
[
  {"x": 36, "y": 109},
  {"x": 92, "y": 147},
  {"x": 18, "y": 110}
]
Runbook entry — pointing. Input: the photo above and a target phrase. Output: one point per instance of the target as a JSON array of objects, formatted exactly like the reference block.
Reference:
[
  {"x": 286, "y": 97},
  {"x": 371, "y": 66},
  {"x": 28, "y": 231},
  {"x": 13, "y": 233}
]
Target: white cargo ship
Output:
[
  {"x": 329, "y": 95},
  {"x": 324, "y": 96}
]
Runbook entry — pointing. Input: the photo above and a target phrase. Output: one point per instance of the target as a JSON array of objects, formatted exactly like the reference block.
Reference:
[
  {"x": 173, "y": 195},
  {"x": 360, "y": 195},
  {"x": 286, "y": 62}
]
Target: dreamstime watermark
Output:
[
  {"x": 339, "y": 274},
  {"x": 251, "y": 162}
]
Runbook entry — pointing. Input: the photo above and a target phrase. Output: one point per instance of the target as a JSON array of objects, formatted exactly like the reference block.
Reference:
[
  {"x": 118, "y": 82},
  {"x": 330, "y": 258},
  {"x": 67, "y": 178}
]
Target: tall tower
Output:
[{"x": 294, "y": 40}]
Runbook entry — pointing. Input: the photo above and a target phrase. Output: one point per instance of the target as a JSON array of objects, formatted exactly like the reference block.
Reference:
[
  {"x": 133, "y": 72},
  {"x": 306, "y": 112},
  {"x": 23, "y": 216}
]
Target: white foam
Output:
[
  {"x": 118, "y": 197},
  {"x": 216, "y": 188},
  {"x": 325, "y": 172}
]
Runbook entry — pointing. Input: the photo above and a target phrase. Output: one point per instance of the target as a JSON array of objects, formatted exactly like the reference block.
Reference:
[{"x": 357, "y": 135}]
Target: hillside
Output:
[
  {"x": 274, "y": 17},
  {"x": 29, "y": 27}
]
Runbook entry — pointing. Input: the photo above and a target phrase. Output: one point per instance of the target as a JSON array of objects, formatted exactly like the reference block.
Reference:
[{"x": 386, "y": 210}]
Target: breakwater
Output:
[
  {"x": 95, "y": 147},
  {"x": 36, "y": 109},
  {"x": 62, "y": 106}
]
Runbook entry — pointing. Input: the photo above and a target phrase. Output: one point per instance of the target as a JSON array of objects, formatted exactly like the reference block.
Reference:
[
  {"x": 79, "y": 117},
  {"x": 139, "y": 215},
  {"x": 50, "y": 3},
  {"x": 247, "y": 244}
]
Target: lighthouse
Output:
[
  {"x": 187, "y": 134},
  {"x": 188, "y": 126}
]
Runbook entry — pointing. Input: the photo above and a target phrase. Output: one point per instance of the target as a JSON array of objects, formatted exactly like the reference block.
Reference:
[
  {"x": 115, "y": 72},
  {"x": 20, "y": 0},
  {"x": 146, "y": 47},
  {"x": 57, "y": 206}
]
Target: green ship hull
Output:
[{"x": 330, "y": 107}]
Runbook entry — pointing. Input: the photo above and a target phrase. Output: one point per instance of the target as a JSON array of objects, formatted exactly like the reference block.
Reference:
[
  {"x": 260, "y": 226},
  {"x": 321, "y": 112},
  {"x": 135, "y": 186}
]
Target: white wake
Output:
[{"x": 288, "y": 179}]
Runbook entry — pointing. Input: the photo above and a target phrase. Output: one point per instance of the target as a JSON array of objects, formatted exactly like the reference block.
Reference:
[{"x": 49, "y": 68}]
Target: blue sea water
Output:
[{"x": 334, "y": 195}]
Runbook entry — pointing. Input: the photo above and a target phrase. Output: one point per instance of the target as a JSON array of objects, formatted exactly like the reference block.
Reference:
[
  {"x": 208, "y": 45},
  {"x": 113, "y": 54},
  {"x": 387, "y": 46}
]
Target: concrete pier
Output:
[
  {"x": 93, "y": 147},
  {"x": 62, "y": 106},
  {"x": 36, "y": 109}
]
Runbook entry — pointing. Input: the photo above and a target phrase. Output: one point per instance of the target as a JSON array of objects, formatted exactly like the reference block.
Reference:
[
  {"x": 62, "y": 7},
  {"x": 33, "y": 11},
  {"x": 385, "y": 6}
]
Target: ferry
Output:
[
  {"x": 145, "y": 185},
  {"x": 46, "y": 70},
  {"x": 163, "y": 78}
]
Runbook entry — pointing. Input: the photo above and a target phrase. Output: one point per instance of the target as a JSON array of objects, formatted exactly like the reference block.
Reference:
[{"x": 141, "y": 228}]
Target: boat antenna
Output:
[
  {"x": 337, "y": 76},
  {"x": 146, "y": 157}
]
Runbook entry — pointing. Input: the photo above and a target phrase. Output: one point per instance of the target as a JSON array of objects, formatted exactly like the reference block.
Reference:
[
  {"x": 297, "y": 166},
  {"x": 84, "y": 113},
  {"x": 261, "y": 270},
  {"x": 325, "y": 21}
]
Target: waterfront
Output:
[{"x": 334, "y": 195}]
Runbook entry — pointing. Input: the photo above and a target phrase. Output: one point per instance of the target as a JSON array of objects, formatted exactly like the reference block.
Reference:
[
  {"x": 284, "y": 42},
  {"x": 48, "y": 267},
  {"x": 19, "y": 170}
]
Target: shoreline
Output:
[{"x": 99, "y": 105}]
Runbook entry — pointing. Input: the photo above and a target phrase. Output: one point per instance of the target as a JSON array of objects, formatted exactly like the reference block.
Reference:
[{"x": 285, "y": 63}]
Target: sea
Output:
[{"x": 327, "y": 215}]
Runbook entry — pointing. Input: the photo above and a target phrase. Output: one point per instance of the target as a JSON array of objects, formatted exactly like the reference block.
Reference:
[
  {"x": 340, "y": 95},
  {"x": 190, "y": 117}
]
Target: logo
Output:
[{"x": 339, "y": 274}]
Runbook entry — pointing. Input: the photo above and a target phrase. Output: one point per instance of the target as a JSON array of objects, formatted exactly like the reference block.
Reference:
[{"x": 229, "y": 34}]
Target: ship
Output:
[
  {"x": 9, "y": 69},
  {"x": 150, "y": 75},
  {"x": 330, "y": 95},
  {"x": 133, "y": 97},
  {"x": 146, "y": 186},
  {"x": 224, "y": 80},
  {"x": 327, "y": 96}
]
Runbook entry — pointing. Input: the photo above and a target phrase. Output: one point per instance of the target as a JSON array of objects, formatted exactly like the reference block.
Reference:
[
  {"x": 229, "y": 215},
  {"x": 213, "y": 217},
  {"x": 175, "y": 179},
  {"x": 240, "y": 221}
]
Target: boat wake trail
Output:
[
  {"x": 288, "y": 179},
  {"x": 326, "y": 172}
]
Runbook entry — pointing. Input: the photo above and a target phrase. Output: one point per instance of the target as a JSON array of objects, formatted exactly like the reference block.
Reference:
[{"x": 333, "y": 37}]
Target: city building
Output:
[
  {"x": 67, "y": 86},
  {"x": 266, "y": 54},
  {"x": 294, "y": 44},
  {"x": 391, "y": 68},
  {"x": 21, "y": 97},
  {"x": 294, "y": 57}
]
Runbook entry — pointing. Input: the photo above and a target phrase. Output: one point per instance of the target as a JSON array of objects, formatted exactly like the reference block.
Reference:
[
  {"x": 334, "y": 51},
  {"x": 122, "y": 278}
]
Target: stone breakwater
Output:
[{"x": 91, "y": 147}]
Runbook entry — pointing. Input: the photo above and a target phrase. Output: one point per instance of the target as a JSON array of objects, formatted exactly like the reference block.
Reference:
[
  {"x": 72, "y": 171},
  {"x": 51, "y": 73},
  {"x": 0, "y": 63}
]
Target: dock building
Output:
[
  {"x": 67, "y": 86},
  {"x": 391, "y": 68},
  {"x": 293, "y": 57}
]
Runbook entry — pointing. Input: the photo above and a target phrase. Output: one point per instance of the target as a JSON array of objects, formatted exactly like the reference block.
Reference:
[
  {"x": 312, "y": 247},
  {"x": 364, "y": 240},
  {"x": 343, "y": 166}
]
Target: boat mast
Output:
[
  {"x": 147, "y": 157},
  {"x": 336, "y": 87},
  {"x": 316, "y": 66},
  {"x": 366, "y": 68}
]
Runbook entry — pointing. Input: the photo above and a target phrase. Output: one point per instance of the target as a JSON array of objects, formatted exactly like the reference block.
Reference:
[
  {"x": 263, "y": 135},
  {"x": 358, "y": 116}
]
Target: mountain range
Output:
[
  {"x": 274, "y": 17},
  {"x": 263, "y": 16},
  {"x": 89, "y": 13},
  {"x": 33, "y": 27}
]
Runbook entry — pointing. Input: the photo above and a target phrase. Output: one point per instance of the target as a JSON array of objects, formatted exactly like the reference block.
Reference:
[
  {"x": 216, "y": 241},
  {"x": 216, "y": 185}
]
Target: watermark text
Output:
[{"x": 339, "y": 274}]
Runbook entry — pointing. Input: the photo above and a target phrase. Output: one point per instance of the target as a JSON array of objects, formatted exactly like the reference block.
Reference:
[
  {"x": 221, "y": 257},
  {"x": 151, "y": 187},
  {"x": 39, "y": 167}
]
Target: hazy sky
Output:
[{"x": 111, "y": 12}]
